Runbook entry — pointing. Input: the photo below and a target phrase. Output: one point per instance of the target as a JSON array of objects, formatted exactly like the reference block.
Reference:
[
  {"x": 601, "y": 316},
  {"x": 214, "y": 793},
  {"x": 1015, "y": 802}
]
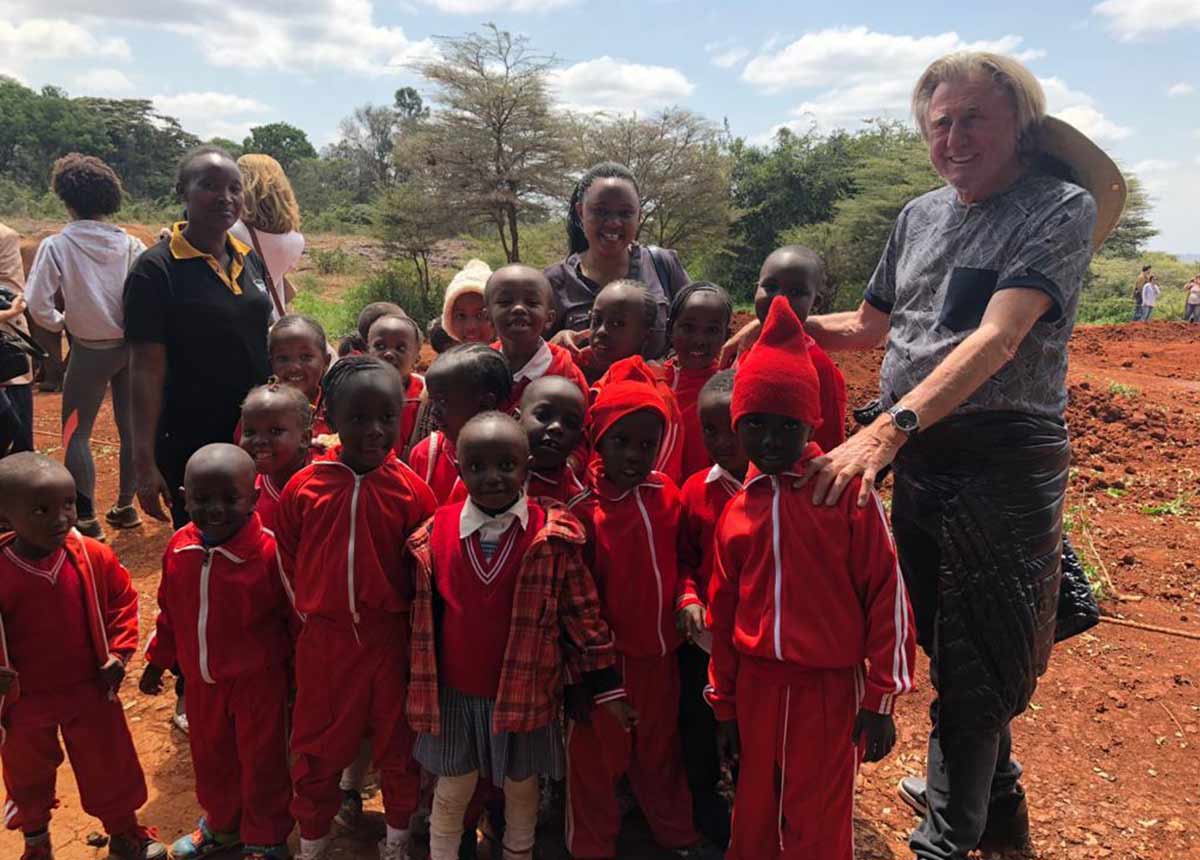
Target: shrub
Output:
[
  {"x": 336, "y": 261},
  {"x": 397, "y": 283}
]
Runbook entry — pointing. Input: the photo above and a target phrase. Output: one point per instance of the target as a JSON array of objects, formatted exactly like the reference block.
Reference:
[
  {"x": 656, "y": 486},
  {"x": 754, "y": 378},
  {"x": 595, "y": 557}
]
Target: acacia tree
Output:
[
  {"x": 495, "y": 151},
  {"x": 682, "y": 171},
  {"x": 1128, "y": 239}
]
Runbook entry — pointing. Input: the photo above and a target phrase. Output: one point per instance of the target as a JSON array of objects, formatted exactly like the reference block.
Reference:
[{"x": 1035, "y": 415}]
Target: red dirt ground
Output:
[{"x": 1110, "y": 743}]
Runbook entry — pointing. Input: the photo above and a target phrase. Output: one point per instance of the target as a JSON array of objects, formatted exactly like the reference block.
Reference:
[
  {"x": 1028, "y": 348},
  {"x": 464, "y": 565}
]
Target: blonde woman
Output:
[{"x": 270, "y": 225}]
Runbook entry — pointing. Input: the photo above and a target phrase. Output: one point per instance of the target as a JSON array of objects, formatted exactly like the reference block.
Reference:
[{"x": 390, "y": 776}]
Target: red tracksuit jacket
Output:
[
  {"x": 408, "y": 418},
  {"x": 223, "y": 610},
  {"x": 561, "y": 364},
  {"x": 686, "y": 385},
  {"x": 632, "y": 555},
  {"x": 808, "y": 585},
  {"x": 703, "y": 500},
  {"x": 341, "y": 537},
  {"x": 670, "y": 450},
  {"x": 111, "y": 605},
  {"x": 436, "y": 462}
]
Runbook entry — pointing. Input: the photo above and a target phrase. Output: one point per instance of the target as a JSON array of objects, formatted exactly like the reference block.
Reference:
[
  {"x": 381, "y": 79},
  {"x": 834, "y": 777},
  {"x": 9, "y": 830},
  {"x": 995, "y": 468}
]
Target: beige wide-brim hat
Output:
[{"x": 1093, "y": 169}]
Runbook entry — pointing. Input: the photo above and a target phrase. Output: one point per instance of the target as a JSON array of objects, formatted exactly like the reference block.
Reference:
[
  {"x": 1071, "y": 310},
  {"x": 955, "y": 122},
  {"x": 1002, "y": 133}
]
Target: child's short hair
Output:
[
  {"x": 372, "y": 312},
  {"x": 483, "y": 366},
  {"x": 401, "y": 317},
  {"x": 351, "y": 344},
  {"x": 297, "y": 401},
  {"x": 16, "y": 470},
  {"x": 720, "y": 383},
  {"x": 438, "y": 337},
  {"x": 333, "y": 384},
  {"x": 649, "y": 305},
  {"x": 87, "y": 185},
  {"x": 681, "y": 298},
  {"x": 290, "y": 322},
  {"x": 496, "y": 415}
]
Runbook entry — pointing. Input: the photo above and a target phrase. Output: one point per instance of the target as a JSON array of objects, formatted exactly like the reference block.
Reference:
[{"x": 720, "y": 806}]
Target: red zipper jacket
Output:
[
  {"x": 807, "y": 586},
  {"x": 111, "y": 604},
  {"x": 435, "y": 460},
  {"x": 686, "y": 385},
  {"x": 632, "y": 555},
  {"x": 561, "y": 364},
  {"x": 224, "y": 610},
  {"x": 703, "y": 499},
  {"x": 341, "y": 536}
]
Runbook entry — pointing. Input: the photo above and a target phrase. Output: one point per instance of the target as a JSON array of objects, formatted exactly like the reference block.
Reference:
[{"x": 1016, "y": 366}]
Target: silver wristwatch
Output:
[{"x": 905, "y": 419}]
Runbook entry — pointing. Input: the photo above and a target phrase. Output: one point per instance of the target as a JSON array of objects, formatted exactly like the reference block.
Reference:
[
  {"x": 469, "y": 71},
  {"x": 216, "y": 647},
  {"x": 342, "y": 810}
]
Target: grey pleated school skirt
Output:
[{"x": 467, "y": 744}]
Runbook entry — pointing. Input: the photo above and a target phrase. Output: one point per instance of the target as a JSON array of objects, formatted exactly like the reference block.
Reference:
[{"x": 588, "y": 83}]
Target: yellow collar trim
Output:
[{"x": 182, "y": 249}]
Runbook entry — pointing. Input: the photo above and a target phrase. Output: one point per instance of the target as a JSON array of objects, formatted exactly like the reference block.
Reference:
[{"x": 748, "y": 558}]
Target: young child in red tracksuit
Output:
[
  {"x": 275, "y": 433},
  {"x": 698, "y": 325},
  {"x": 520, "y": 303},
  {"x": 798, "y": 274},
  {"x": 68, "y": 626},
  {"x": 704, "y": 497},
  {"x": 622, "y": 319},
  {"x": 633, "y": 513},
  {"x": 396, "y": 340},
  {"x": 225, "y": 616},
  {"x": 485, "y": 691},
  {"x": 670, "y": 452},
  {"x": 340, "y": 530},
  {"x": 552, "y": 413},
  {"x": 299, "y": 354},
  {"x": 801, "y": 596},
  {"x": 462, "y": 382}
]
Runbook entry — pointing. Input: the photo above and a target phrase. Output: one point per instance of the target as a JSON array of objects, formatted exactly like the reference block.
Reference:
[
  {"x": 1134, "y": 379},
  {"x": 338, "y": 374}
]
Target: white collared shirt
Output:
[
  {"x": 537, "y": 366},
  {"x": 491, "y": 528},
  {"x": 720, "y": 473}
]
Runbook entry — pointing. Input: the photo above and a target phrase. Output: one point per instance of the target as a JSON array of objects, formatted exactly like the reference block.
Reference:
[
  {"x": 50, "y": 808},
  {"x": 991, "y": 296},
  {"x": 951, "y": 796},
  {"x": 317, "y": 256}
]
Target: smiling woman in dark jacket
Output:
[
  {"x": 603, "y": 219},
  {"x": 196, "y": 318}
]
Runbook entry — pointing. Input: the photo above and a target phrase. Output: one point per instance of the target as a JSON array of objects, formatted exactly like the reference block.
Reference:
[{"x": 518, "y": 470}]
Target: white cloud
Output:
[
  {"x": 1180, "y": 89},
  {"x": 101, "y": 82},
  {"x": 1080, "y": 110},
  {"x": 212, "y": 114},
  {"x": 1154, "y": 165},
  {"x": 726, "y": 53},
  {"x": 847, "y": 56},
  {"x": 475, "y": 7},
  {"x": 56, "y": 39},
  {"x": 607, "y": 84},
  {"x": 1131, "y": 19}
]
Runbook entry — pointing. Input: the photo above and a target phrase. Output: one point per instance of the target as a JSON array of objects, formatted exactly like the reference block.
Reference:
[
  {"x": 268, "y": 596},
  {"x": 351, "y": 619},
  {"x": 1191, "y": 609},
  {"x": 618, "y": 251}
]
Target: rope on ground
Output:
[{"x": 1152, "y": 628}]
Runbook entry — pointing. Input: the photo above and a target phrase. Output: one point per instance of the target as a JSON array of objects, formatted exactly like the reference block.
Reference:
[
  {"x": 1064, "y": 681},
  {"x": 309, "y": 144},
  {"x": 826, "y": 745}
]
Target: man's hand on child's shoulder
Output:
[
  {"x": 729, "y": 743},
  {"x": 625, "y": 715},
  {"x": 7, "y": 677},
  {"x": 690, "y": 621},
  {"x": 112, "y": 673},
  {"x": 876, "y": 733},
  {"x": 152, "y": 680}
]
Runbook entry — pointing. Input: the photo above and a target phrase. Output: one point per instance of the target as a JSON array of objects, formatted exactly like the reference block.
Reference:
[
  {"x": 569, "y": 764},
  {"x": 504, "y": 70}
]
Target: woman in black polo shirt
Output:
[
  {"x": 603, "y": 219},
  {"x": 196, "y": 318}
]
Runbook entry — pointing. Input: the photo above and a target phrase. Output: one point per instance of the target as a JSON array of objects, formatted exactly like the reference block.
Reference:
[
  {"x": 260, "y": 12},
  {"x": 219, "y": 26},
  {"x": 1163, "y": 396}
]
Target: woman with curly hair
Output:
[
  {"x": 270, "y": 224},
  {"x": 84, "y": 267}
]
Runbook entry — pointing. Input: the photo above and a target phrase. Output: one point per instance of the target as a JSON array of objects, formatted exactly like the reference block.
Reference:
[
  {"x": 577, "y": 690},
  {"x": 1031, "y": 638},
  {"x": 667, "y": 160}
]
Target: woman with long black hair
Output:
[{"x": 603, "y": 219}]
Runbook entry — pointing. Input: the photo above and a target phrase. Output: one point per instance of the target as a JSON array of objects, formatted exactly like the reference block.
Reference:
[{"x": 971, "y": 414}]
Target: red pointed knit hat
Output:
[
  {"x": 777, "y": 375},
  {"x": 628, "y": 387}
]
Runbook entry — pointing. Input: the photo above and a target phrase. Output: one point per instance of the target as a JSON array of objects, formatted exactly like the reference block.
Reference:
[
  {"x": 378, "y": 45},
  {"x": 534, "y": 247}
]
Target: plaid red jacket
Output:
[{"x": 556, "y": 617}]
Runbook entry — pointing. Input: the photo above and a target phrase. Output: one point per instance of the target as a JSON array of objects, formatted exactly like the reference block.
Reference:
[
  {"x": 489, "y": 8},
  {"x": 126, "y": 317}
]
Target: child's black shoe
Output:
[
  {"x": 350, "y": 813},
  {"x": 140, "y": 843}
]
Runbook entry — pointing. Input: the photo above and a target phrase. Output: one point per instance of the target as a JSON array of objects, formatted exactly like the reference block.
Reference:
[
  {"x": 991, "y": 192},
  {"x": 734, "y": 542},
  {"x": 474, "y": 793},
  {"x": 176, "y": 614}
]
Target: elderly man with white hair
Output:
[{"x": 976, "y": 294}]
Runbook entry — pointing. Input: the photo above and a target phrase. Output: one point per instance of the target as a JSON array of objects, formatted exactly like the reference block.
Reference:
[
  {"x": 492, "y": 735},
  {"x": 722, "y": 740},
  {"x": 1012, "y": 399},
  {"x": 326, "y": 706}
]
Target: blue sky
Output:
[{"x": 1124, "y": 71}]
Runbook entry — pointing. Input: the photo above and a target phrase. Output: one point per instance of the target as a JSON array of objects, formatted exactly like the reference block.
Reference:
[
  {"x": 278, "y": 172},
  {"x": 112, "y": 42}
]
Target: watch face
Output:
[{"x": 906, "y": 420}]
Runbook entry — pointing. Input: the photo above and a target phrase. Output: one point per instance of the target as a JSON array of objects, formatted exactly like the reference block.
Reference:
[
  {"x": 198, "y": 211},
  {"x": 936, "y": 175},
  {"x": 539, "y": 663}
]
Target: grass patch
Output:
[
  {"x": 1120, "y": 389},
  {"x": 397, "y": 283},
  {"x": 1075, "y": 522},
  {"x": 1176, "y": 507},
  {"x": 336, "y": 261},
  {"x": 1114, "y": 492}
]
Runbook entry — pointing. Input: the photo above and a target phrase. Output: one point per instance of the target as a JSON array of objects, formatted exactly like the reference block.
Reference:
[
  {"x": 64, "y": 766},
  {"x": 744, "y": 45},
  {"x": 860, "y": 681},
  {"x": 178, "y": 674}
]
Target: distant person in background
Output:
[
  {"x": 1150, "y": 293},
  {"x": 16, "y": 394},
  {"x": 84, "y": 268},
  {"x": 1191, "y": 310},
  {"x": 464, "y": 314},
  {"x": 270, "y": 224},
  {"x": 1142, "y": 277}
]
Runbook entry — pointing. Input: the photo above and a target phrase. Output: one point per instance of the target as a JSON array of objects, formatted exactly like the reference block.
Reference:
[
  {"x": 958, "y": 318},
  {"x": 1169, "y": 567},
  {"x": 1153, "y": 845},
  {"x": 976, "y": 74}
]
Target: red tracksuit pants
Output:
[
  {"x": 795, "y": 789},
  {"x": 600, "y": 753},
  {"x": 238, "y": 732},
  {"x": 350, "y": 684},
  {"x": 111, "y": 784}
]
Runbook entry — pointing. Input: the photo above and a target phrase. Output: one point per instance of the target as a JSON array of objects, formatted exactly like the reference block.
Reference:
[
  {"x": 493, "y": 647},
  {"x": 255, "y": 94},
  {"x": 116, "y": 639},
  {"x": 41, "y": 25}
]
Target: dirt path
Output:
[{"x": 1111, "y": 745}]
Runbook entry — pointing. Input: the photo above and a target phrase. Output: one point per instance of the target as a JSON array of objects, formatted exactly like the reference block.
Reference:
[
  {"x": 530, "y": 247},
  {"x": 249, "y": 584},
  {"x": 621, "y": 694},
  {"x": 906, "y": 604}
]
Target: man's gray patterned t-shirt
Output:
[{"x": 945, "y": 260}]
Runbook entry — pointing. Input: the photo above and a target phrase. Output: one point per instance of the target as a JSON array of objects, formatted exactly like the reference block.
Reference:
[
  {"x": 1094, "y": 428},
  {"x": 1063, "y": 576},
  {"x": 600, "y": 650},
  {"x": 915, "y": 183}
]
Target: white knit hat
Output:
[{"x": 471, "y": 279}]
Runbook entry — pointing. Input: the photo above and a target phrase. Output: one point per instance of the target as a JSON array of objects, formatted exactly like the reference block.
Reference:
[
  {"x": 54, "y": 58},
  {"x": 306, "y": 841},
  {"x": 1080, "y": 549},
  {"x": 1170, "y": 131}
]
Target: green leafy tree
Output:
[
  {"x": 496, "y": 152},
  {"x": 283, "y": 142},
  {"x": 409, "y": 106},
  {"x": 411, "y": 227},
  {"x": 231, "y": 146},
  {"x": 1128, "y": 239}
]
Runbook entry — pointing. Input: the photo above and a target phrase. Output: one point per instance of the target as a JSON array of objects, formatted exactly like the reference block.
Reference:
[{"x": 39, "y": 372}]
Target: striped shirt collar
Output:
[{"x": 474, "y": 519}]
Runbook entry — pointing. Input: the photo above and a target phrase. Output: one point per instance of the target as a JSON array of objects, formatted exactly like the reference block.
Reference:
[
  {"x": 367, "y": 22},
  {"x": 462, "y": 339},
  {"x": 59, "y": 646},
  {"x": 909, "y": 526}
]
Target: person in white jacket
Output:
[
  {"x": 1150, "y": 293},
  {"x": 270, "y": 225},
  {"x": 82, "y": 270}
]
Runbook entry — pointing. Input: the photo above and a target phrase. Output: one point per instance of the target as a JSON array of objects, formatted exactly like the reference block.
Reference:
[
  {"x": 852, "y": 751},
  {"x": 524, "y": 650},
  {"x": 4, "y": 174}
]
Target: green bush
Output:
[
  {"x": 336, "y": 261},
  {"x": 397, "y": 283},
  {"x": 542, "y": 244}
]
